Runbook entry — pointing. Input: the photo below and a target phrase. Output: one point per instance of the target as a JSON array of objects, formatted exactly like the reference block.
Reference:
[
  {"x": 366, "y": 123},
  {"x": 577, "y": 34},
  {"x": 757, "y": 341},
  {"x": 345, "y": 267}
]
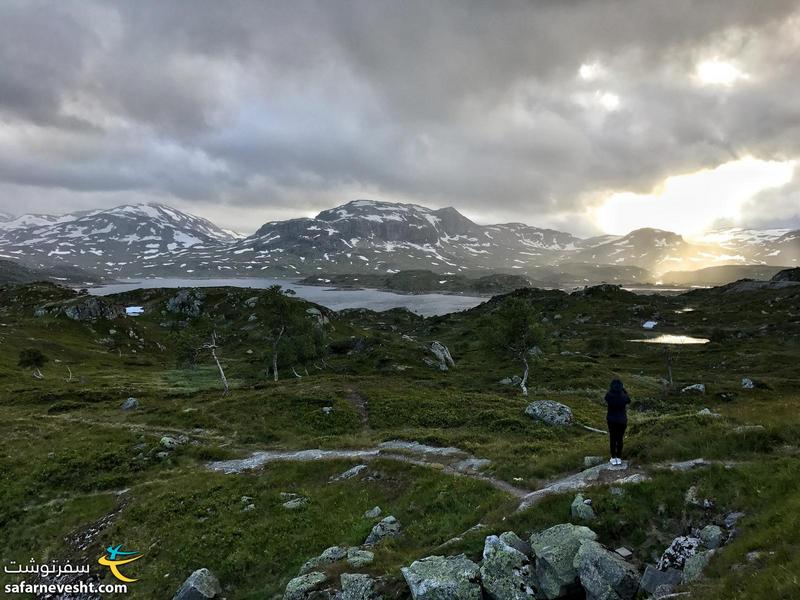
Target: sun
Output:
[{"x": 718, "y": 72}]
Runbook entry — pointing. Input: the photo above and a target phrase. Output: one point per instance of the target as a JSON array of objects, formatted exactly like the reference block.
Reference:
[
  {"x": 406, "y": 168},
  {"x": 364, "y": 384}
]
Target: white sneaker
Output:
[
  {"x": 613, "y": 461},
  {"x": 617, "y": 461}
]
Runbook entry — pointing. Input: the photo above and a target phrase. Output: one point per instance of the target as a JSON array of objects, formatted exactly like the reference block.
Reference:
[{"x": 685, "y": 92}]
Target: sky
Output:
[{"x": 588, "y": 116}]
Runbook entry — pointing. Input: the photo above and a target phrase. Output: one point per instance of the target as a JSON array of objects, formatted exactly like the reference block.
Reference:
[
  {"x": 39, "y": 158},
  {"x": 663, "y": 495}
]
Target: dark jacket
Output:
[{"x": 617, "y": 399}]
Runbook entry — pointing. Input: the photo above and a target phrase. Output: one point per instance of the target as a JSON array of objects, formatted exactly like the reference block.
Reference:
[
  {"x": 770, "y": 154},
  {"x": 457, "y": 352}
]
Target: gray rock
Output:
[
  {"x": 747, "y": 383},
  {"x": 328, "y": 557},
  {"x": 200, "y": 585},
  {"x": 653, "y": 579},
  {"x": 555, "y": 549},
  {"x": 697, "y": 388},
  {"x": 711, "y": 536},
  {"x": 706, "y": 412},
  {"x": 251, "y": 302},
  {"x": 358, "y": 587},
  {"x": 506, "y": 572},
  {"x": 170, "y": 443},
  {"x": 373, "y": 513},
  {"x": 748, "y": 428},
  {"x": 663, "y": 592},
  {"x": 350, "y": 473},
  {"x": 505, "y": 381},
  {"x": 592, "y": 461},
  {"x": 295, "y": 503},
  {"x": 550, "y": 413},
  {"x": 604, "y": 575},
  {"x": 731, "y": 519},
  {"x": 624, "y": 553},
  {"x": 358, "y": 558},
  {"x": 388, "y": 527},
  {"x": 513, "y": 540},
  {"x": 130, "y": 404},
  {"x": 681, "y": 548},
  {"x": 694, "y": 566},
  {"x": 443, "y": 578},
  {"x": 300, "y": 587},
  {"x": 442, "y": 354},
  {"x": 91, "y": 309},
  {"x": 187, "y": 302},
  {"x": 581, "y": 510}
]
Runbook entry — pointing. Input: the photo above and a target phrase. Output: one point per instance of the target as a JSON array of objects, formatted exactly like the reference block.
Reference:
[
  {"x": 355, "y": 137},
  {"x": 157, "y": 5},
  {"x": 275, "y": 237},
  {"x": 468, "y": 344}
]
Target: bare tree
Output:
[
  {"x": 212, "y": 348},
  {"x": 514, "y": 331}
]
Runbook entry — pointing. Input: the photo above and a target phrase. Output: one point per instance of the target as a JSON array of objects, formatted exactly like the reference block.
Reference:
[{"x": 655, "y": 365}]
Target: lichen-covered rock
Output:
[
  {"x": 91, "y": 309},
  {"x": 130, "y": 404},
  {"x": 604, "y": 575},
  {"x": 711, "y": 536},
  {"x": 655, "y": 579},
  {"x": 513, "y": 540},
  {"x": 357, "y": 587},
  {"x": 581, "y": 509},
  {"x": 388, "y": 527},
  {"x": 694, "y": 565},
  {"x": 443, "y": 578},
  {"x": 555, "y": 549},
  {"x": 300, "y": 588},
  {"x": 505, "y": 572},
  {"x": 200, "y": 585},
  {"x": 442, "y": 354},
  {"x": 328, "y": 557},
  {"x": 187, "y": 302},
  {"x": 373, "y": 513},
  {"x": 358, "y": 558},
  {"x": 550, "y": 413},
  {"x": 681, "y": 548}
]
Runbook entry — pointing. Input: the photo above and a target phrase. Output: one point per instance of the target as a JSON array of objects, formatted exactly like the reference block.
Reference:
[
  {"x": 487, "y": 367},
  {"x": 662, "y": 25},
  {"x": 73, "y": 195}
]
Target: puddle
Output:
[{"x": 672, "y": 339}]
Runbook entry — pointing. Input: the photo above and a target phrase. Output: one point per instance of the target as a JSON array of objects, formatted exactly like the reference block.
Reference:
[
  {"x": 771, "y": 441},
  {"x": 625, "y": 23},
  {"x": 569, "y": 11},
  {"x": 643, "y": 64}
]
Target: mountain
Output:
[
  {"x": 720, "y": 275},
  {"x": 12, "y": 271},
  {"x": 113, "y": 241},
  {"x": 365, "y": 236}
]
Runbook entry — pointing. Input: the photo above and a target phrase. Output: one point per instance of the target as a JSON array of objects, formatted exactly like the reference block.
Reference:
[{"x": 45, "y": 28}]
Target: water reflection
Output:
[{"x": 672, "y": 339}]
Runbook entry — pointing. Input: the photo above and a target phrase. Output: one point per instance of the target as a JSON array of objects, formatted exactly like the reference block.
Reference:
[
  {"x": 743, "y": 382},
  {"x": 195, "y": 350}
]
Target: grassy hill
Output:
[{"x": 77, "y": 472}]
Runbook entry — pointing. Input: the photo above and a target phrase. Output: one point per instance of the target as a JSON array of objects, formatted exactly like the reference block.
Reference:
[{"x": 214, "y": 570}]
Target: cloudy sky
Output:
[{"x": 595, "y": 115}]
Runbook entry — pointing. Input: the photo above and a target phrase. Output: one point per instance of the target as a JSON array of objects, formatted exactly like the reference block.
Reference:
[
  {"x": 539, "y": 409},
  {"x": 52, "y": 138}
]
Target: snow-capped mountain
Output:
[
  {"x": 365, "y": 236},
  {"x": 112, "y": 241}
]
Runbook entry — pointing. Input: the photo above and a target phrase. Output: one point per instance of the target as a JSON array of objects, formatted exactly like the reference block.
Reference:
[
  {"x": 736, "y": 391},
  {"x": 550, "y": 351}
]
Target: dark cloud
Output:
[{"x": 268, "y": 107}]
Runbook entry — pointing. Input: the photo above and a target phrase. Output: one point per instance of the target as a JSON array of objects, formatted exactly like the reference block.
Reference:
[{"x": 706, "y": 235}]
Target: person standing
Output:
[{"x": 617, "y": 400}]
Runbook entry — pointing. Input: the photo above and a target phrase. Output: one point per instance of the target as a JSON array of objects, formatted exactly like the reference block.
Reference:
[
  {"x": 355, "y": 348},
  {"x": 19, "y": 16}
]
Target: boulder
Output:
[
  {"x": 349, "y": 474},
  {"x": 358, "y": 558},
  {"x": 187, "y": 302},
  {"x": 731, "y": 519},
  {"x": 388, "y": 527},
  {"x": 295, "y": 503},
  {"x": 328, "y": 557},
  {"x": 442, "y": 354},
  {"x": 373, "y": 513},
  {"x": 505, "y": 572},
  {"x": 200, "y": 585},
  {"x": 581, "y": 508},
  {"x": 550, "y": 413},
  {"x": 697, "y": 388},
  {"x": 747, "y": 383},
  {"x": 513, "y": 540},
  {"x": 711, "y": 536},
  {"x": 443, "y": 578},
  {"x": 130, "y": 404},
  {"x": 654, "y": 579},
  {"x": 605, "y": 575},
  {"x": 694, "y": 566},
  {"x": 357, "y": 587},
  {"x": 555, "y": 549},
  {"x": 681, "y": 548},
  {"x": 301, "y": 587},
  {"x": 91, "y": 309}
]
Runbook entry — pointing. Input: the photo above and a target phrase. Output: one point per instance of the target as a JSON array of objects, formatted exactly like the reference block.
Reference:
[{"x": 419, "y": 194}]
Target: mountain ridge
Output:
[{"x": 368, "y": 236}]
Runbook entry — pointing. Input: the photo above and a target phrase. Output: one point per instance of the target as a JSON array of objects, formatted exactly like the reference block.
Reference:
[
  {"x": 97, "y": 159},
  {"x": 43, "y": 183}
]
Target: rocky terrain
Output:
[
  {"x": 376, "y": 238},
  {"x": 251, "y": 444}
]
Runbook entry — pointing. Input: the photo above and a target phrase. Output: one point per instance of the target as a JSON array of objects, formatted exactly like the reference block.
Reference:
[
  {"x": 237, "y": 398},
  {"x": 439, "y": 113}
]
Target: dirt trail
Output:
[{"x": 360, "y": 403}]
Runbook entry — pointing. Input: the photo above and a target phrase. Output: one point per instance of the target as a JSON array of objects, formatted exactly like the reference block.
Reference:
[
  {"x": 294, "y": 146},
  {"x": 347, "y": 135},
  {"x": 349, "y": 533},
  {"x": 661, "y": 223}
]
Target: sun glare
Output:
[
  {"x": 717, "y": 72},
  {"x": 691, "y": 203}
]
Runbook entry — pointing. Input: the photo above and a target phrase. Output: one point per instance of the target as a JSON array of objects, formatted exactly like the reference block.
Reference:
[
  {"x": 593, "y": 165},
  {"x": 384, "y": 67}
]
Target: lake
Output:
[{"x": 336, "y": 299}]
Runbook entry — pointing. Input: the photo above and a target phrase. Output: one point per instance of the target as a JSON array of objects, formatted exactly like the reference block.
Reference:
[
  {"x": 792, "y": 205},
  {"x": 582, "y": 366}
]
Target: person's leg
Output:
[
  {"x": 612, "y": 442},
  {"x": 620, "y": 438}
]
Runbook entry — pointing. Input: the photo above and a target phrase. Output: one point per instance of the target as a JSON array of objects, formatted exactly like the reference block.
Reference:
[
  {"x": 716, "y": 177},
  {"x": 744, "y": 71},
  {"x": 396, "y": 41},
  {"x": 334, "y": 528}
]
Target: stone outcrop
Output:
[
  {"x": 91, "y": 309},
  {"x": 581, "y": 508},
  {"x": 506, "y": 572},
  {"x": 555, "y": 549},
  {"x": 604, "y": 575},
  {"x": 443, "y": 578},
  {"x": 200, "y": 585},
  {"x": 442, "y": 354},
  {"x": 550, "y": 413},
  {"x": 388, "y": 527},
  {"x": 187, "y": 302}
]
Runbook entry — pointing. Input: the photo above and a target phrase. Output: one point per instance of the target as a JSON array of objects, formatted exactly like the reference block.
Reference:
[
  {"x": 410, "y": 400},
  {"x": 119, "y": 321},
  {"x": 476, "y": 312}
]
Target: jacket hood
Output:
[{"x": 616, "y": 386}]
